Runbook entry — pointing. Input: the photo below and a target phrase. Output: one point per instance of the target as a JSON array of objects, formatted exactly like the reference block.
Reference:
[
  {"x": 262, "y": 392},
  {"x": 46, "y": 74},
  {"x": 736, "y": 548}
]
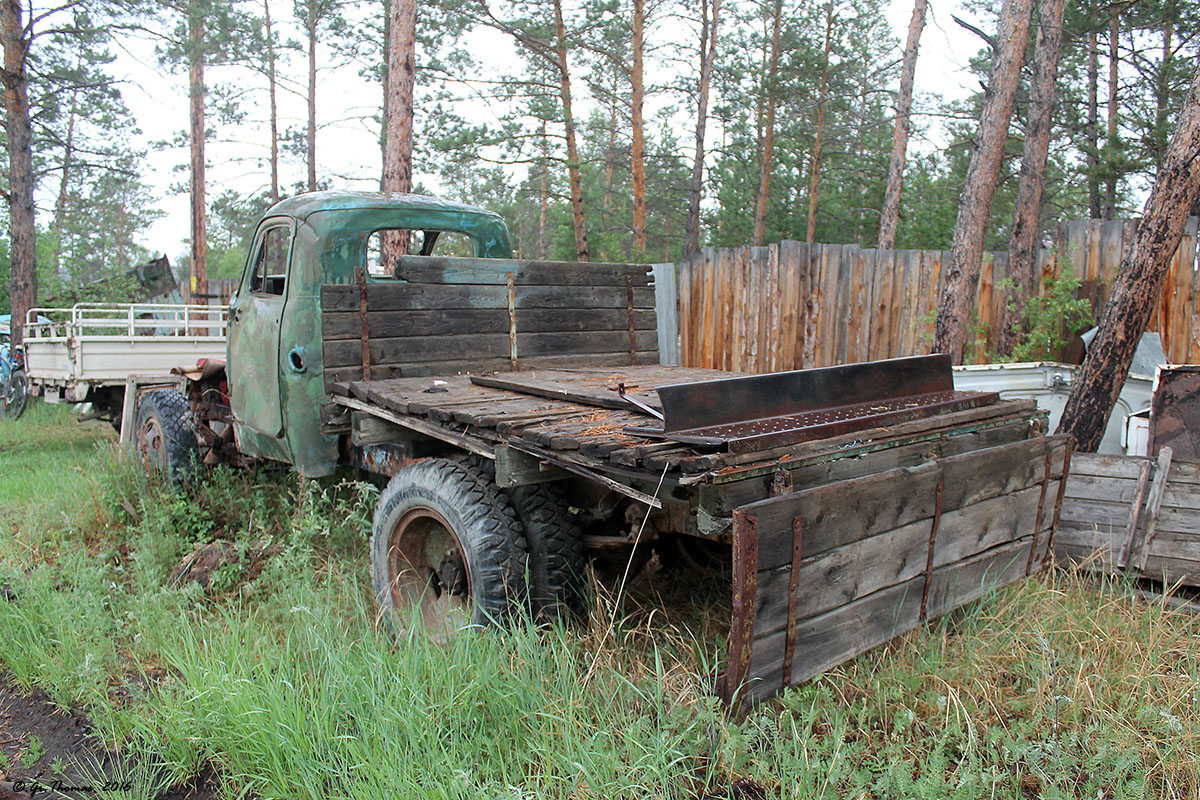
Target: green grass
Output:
[{"x": 280, "y": 677}]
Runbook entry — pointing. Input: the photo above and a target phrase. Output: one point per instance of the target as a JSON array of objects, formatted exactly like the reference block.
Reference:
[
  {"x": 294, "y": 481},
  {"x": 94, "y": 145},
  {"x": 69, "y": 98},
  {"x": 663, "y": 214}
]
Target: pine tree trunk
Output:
[
  {"x": 638, "y": 148},
  {"x": 708, "y": 52},
  {"x": 768, "y": 137},
  {"x": 889, "y": 215},
  {"x": 543, "y": 198},
  {"x": 401, "y": 84},
  {"x": 196, "y": 91},
  {"x": 311, "y": 137},
  {"x": 560, "y": 30},
  {"x": 1139, "y": 282},
  {"x": 271, "y": 85},
  {"x": 1024, "y": 244},
  {"x": 814, "y": 172},
  {"x": 970, "y": 230},
  {"x": 22, "y": 232},
  {"x": 1112, "y": 146},
  {"x": 1092, "y": 125}
]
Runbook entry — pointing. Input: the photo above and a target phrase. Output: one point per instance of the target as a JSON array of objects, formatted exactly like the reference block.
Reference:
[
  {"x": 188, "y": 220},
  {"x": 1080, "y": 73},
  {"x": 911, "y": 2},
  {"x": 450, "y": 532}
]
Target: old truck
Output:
[{"x": 519, "y": 416}]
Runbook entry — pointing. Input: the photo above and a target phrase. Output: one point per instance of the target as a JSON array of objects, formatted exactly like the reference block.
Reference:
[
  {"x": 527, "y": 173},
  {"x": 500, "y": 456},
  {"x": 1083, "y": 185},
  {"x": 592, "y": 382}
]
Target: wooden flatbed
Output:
[{"x": 582, "y": 437}]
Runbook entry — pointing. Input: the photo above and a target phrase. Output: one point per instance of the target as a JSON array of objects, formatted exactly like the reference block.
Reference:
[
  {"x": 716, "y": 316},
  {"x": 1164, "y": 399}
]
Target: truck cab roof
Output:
[{"x": 303, "y": 205}]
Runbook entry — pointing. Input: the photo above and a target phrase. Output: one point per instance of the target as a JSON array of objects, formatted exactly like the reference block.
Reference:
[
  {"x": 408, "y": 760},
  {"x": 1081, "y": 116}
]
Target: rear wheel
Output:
[
  {"x": 166, "y": 435},
  {"x": 15, "y": 395},
  {"x": 446, "y": 551}
]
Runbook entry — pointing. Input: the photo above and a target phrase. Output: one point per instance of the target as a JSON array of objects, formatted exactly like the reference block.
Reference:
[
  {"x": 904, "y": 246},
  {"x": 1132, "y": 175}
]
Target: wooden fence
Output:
[{"x": 794, "y": 305}]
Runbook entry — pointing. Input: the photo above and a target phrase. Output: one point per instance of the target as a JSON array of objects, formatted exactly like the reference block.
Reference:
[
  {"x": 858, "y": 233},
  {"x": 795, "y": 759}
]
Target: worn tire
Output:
[
  {"x": 16, "y": 395},
  {"x": 557, "y": 558},
  {"x": 166, "y": 436},
  {"x": 436, "y": 521}
]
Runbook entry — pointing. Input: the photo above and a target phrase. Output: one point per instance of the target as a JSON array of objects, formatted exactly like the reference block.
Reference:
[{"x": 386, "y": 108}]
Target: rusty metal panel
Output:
[
  {"x": 824, "y": 574},
  {"x": 1175, "y": 411},
  {"x": 764, "y": 411}
]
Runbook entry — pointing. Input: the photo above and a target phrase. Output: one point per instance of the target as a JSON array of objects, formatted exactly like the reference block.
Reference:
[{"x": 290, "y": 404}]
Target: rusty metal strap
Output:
[
  {"x": 360, "y": 277},
  {"x": 745, "y": 597},
  {"x": 1058, "y": 501},
  {"x": 1037, "y": 520},
  {"x": 933, "y": 532},
  {"x": 789, "y": 652}
]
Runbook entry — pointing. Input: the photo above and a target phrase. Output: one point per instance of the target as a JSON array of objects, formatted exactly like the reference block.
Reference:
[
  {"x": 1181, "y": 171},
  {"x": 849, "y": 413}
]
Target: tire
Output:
[
  {"x": 16, "y": 395},
  {"x": 166, "y": 436},
  {"x": 557, "y": 558},
  {"x": 446, "y": 546}
]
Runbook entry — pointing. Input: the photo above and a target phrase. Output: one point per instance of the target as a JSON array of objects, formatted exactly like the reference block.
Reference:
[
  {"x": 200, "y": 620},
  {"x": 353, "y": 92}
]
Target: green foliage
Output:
[
  {"x": 284, "y": 682},
  {"x": 1051, "y": 319}
]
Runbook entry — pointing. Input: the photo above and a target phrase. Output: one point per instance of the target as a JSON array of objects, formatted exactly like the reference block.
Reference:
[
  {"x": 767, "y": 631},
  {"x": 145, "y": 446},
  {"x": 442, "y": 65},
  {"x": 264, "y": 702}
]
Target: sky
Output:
[{"x": 347, "y": 147}]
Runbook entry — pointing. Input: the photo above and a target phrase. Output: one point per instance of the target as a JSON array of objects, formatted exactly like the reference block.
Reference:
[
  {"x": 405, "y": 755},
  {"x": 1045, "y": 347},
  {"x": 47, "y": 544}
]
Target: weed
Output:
[{"x": 32, "y": 753}]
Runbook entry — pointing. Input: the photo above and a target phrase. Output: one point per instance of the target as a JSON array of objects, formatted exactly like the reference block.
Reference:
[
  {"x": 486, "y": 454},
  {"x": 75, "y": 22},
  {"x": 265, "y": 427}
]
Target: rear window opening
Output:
[{"x": 385, "y": 246}]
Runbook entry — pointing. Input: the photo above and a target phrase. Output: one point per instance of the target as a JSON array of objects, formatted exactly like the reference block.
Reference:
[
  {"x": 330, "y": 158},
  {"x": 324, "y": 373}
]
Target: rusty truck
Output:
[{"x": 518, "y": 413}]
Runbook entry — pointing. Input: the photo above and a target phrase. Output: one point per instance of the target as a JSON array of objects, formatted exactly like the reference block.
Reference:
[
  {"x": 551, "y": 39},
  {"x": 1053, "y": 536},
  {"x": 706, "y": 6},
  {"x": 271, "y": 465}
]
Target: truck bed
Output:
[{"x": 585, "y": 436}]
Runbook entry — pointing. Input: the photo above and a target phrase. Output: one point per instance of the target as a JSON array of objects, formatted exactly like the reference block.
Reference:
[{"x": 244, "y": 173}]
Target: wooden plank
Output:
[
  {"x": 896, "y": 309},
  {"x": 867, "y": 565},
  {"x": 791, "y": 331},
  {"x": 416, "y": 296},
  {"x": 812, "y": 300},
  {"x": 1140, "y": 549},
  {"x": 845, "y": 264},
  {"x": 829, "y": 639},
  {"x": 830, "y": 315},
  {"x": 687, "y": 328},
  {"x": 1107, "y": 466},
  {"x": 834, "y": 514},
  {"x": 493, "y": 271},
  {"x": 422, "y": 349},
  {"x": 337, "y": 325},
  {"x": 706, "y": 321}
]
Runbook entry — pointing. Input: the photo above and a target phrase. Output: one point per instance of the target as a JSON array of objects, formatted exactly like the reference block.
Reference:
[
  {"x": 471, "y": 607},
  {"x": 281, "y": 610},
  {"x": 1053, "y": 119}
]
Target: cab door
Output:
[{"x": 253, "y": 333}]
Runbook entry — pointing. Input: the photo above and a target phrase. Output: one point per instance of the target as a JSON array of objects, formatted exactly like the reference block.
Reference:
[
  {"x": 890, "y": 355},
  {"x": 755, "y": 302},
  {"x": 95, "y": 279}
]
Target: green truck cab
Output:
[{"x": 274, "y": 363}]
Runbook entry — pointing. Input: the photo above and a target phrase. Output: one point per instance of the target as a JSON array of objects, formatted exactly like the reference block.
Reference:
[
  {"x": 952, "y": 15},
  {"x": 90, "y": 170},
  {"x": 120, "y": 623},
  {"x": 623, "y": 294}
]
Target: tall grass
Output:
[{"x": 1060, "y": 687}]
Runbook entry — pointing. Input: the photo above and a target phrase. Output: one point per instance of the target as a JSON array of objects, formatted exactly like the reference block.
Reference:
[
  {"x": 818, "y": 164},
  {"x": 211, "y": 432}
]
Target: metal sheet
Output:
[{"x": 1175, "y": 412}]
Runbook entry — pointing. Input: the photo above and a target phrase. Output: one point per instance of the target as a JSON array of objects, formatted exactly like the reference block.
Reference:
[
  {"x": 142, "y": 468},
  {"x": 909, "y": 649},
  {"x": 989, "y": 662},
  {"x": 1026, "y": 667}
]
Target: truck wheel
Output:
[
  {"x": 557, "y": 558},
  {"x": 445, "y": 545},
  {"x": 166, "y": 436},
  {"x": 16, "y": 395}
]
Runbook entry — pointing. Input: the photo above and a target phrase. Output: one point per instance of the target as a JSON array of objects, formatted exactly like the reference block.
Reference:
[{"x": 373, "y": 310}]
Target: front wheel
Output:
[
  {"x": 446, "y": 551},
  {"x": 166, "y": 435},
  {"x": 15, "y": 395}
]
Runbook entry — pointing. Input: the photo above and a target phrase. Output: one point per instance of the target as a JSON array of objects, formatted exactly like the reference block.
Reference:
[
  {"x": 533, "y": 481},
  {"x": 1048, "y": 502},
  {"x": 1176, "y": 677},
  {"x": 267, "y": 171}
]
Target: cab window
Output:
[
  {"x": 415, "y": 242},
  {"x": 270, "y": 262}
]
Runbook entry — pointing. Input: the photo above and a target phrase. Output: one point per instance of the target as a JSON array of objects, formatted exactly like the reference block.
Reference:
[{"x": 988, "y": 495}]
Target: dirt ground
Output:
[{"x": 48, "y": 753}]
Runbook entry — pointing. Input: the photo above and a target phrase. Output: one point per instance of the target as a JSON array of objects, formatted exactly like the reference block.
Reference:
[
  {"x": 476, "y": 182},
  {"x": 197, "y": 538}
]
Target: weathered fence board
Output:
[
  {"x": 793, "y": 305},
  {"x": 825, "y": 574}
]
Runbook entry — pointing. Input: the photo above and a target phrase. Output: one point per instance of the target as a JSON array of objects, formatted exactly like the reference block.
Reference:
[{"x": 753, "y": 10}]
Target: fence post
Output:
[{"x": 666, "y": 307}]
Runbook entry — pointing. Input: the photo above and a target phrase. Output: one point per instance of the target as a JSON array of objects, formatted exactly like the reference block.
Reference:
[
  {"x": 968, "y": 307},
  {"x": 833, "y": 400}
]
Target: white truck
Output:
[{"x": 90, "y": 352}]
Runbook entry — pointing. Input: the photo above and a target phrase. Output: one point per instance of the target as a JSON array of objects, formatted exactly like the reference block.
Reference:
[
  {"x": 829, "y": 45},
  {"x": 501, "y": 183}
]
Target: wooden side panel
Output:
[{"x": 838, "y": 569}]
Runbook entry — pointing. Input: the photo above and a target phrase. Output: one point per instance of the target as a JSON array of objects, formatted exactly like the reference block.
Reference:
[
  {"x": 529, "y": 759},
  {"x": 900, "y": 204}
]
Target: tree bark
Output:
[
  {"x": 1023, "y": 248},
  {"x": 271, "y": 85},
  {"x": 1139, "y": 282},
  {"x": 1112, "y": 146},
  {"x": 966, "y": 251},
  {"x": 709, "y": 14},
  {"x": 401, "y": 84},
  {"x": 768, "y": 138},
  {"x": 576, "y": 183},
  {"x": 311, "y": 137},
  {"x": 22, "y": 232},
  {"x": 814, "y": 172},
  {"x": 638, "y": 148},
  {"x": 1092, "y": 126},
  {"x": 196, "y": 91},
  {"x": 889, "y": 215}
]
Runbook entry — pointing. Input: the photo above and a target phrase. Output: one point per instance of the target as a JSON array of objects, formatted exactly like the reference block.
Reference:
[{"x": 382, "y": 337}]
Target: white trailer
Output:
[{"x": 90, "y": 351}]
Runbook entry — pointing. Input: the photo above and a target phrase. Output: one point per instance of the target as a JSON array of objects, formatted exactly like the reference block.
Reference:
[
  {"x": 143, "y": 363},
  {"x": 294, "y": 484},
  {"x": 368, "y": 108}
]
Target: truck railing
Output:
[{"x": 127, "y": 319}]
